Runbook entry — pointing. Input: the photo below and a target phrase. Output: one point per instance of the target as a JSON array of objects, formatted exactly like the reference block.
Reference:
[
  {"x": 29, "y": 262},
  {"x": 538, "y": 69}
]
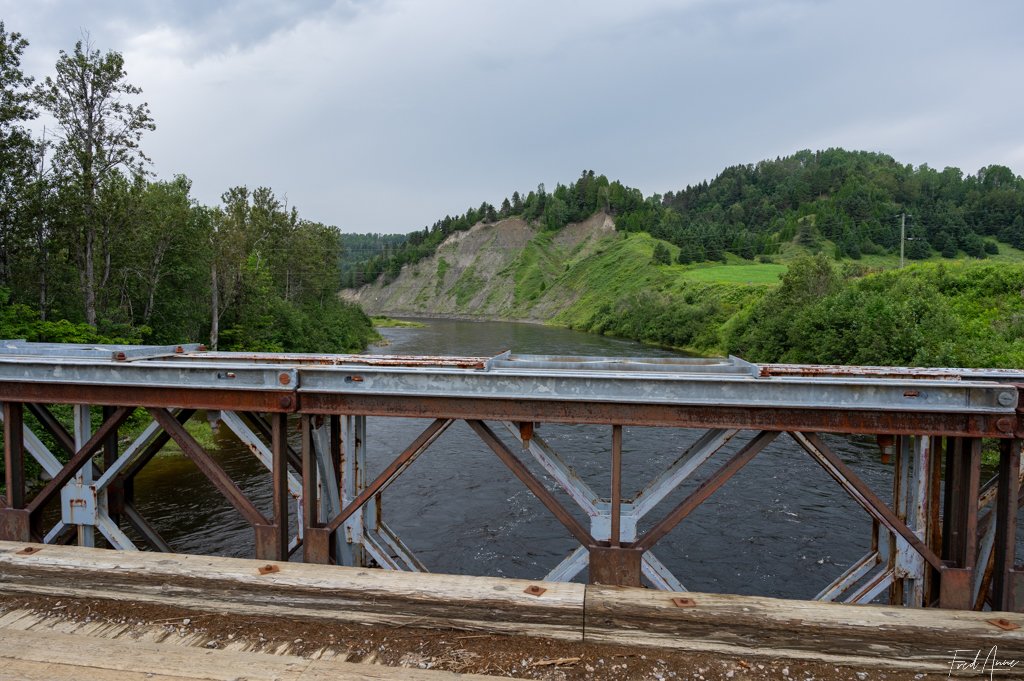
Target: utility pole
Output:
[{"x": 903, "y": 234}]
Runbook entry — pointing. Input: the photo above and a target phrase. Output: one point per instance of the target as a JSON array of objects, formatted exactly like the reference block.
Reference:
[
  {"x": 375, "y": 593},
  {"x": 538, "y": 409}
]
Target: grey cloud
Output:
[{"x": 387, "y": 115}]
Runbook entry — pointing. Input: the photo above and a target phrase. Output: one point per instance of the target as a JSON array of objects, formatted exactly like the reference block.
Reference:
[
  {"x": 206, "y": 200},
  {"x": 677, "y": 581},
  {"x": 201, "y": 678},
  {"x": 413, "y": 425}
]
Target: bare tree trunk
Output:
[
  {"x": 155, "y": 273},
  {"x": 89, "y": 278},
  {"x": 215, "y": 307},
  {"x": 41, "y": 246},
  {"x": 44, "y": 263}
]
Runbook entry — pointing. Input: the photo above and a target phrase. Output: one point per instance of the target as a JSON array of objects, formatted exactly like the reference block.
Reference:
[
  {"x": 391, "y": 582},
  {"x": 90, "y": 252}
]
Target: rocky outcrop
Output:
[{"x": 503, "y": 270}]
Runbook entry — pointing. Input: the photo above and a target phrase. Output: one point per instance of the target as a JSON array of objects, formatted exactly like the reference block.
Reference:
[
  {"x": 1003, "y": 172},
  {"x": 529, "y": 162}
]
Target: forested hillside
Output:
[
  {"x": 849, "y": 202},
  {"x": 853, "y": 199},
  {"x": 92, "y": 248},
  {"x": 700, "y": 269}
]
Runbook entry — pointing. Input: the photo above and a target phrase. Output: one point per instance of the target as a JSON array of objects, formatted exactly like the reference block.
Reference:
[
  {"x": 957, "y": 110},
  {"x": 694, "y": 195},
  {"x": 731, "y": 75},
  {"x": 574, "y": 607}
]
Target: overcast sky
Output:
[{"x": 385, "y": 115}]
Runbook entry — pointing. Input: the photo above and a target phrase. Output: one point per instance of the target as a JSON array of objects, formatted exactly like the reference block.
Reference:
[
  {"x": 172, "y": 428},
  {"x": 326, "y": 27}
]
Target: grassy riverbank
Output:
[
  {"x": 945, "y": 313},
  {"x": 381, "y": 322}
]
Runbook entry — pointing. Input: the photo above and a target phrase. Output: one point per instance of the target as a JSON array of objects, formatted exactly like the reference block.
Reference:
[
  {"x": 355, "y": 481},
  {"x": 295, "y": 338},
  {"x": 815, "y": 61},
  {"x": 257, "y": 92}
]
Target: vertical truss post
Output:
[
  {"x": 911, "y": 496},
  {"x": 960, "y": 538},
  {"x": 353, "y": 481},
  {"x": 272, "y": 540},
  {"x": 242, "y": 424},
  {"x": 321, "y": 493},
  {"x": 15, "y": 521},
  {"x": 614, "y": 564},
  {"x": 331, "y": 457},
  {"x": 899, "y": 490},
  {"x": 79, "y": 495},
  {"x": 616, "y": 484},
  {"x": 14, "y": 454},
  {"x": 316, "y": 545},
  {"x": 935, "y": 500},
  {"x": 326, "y": 441},
  {"x": 1006, "y": 525}
]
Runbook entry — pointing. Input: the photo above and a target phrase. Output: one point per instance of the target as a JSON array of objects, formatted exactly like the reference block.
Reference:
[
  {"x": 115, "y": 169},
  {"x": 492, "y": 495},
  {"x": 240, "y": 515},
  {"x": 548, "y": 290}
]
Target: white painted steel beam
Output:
[
  {"x": 717, "y": 383},
  {"x": 83, "y": 431}
]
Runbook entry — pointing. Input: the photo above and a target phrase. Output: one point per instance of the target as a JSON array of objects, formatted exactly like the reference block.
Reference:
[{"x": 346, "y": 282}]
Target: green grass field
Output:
[{"x": 750, "y": 273}]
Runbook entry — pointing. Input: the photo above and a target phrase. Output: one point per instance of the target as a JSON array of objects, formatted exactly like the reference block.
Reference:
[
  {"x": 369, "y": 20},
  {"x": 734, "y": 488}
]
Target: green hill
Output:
[
  {"x": 796, "y": 259},
  {"x": 848, "y": 203}
]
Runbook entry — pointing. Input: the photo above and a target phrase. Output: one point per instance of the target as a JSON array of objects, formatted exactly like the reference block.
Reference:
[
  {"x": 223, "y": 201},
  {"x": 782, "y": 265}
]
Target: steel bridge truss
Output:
[{"x": 950, "y": 544}]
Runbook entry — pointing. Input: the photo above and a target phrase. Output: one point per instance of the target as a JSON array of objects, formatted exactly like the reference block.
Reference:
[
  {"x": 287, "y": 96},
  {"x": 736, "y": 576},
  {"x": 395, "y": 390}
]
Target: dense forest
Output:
[
  {"x": 853, "y": 201},
  {"x": 93, "y": 249}
]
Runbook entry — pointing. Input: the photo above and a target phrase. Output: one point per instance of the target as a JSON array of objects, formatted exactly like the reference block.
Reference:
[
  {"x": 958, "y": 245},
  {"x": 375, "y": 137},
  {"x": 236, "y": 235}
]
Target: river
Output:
[{"x": 780, "y": 527}]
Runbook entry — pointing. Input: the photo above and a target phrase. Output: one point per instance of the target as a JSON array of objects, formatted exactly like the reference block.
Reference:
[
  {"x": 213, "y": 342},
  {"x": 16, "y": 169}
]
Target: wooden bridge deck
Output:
[
  {"x": 38, "y": 643},
  {"x": 37, "y": 655}
]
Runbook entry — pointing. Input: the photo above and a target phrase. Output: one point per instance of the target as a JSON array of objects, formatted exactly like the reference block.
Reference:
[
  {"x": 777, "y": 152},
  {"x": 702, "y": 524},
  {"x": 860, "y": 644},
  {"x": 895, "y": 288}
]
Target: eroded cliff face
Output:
[{"x": 506, "y": 270}]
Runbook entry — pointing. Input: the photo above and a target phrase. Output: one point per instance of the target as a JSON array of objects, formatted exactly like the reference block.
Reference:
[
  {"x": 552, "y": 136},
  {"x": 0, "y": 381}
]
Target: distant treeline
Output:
[
  {"x": 853, "y": 199},
  {"x": 92, "y": 249}
]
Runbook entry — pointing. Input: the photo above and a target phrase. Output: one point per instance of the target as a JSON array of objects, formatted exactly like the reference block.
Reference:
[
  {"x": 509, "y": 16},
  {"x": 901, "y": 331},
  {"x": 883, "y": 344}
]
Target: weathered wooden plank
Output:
[
  {"x": 330, "y": 670},
  {"x": 20, "y": 670},
  {"x": 299, "y": 590},
  {"x": 42, "y": 655},
  {"x": 875, "y": 636},
  {"x": 89, "y": 653}
]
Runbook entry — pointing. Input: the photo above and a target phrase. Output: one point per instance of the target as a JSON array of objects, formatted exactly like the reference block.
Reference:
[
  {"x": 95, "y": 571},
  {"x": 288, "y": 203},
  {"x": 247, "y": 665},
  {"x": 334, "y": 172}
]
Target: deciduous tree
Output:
[
  {"x": 17, "y": 151},
  {"x": 100, "y": 132}
]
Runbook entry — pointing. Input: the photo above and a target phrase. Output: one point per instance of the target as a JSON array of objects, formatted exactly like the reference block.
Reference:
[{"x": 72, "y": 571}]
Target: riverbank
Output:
[{"x": 967, "y": 314}]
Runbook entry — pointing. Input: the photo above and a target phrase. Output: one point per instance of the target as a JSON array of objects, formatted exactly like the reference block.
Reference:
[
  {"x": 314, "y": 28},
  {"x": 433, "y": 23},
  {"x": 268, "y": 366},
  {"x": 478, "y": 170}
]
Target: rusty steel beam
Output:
[
  {"x": 532, "y": 483},
  {"x": 951, "y": 473},
  {"x": 310, "y": 507},
  {"x": 126, "y": 476},
  {"x": 142, "y": 396},
  {"x": 935, "y": 518},
  {"x": 969, "y": 501},
  {"x": 614, "y": 566},
  {"x": 142, "y": 526},
  {"x": 79, "y": 460},
  {"x": 913, "y": 373},
  {"x": 53, "y": 427},
  {"x": 849, "y": 421},
  {"x": 963, "y": 463},
  {"x": 1006, "y": 523},
  {"x": 115, "y": 491},
  {"x": 863, "y": 494},
  {"x": 14, "y": 453},
  {"x": 210, "y": 468},
  {"x": 279, "y": 477},
  {"x": 705, "y": 490},
  {"x": 393, "y": 470}
]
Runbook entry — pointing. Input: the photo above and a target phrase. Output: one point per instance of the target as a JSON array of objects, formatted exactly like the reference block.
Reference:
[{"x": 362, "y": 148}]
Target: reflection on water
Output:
[{"x": 779, "y": 527}]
